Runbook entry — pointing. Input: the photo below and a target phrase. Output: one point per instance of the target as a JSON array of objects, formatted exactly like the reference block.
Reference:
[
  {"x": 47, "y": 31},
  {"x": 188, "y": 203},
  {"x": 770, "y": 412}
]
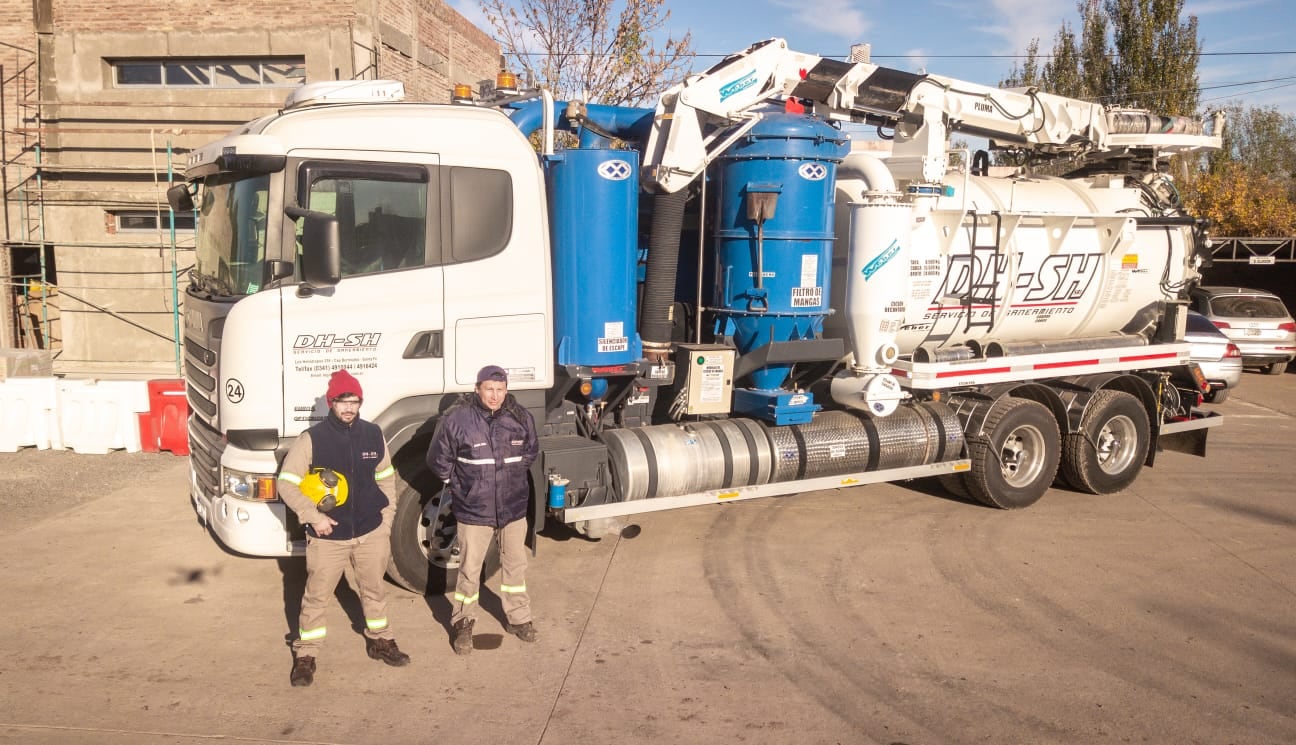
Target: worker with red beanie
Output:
[{"x": 356, "y": 532}]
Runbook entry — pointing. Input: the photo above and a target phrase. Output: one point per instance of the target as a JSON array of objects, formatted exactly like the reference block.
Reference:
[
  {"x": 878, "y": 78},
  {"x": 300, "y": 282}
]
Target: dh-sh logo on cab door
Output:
[
  {"x": 614, "y": 170},
  {"x": 813, "y": 171}
]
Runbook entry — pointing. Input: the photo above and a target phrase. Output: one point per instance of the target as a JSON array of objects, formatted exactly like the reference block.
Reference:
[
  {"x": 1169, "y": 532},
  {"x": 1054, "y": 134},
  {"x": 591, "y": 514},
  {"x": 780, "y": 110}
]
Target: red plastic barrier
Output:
[{"x": 166, "y": 425}]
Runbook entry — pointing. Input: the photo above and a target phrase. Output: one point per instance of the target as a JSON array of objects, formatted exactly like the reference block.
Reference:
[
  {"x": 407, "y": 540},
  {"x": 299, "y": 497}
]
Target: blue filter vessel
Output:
[
  {"x": 774, "y": 238},
  {"x": 594, "y": 225}
]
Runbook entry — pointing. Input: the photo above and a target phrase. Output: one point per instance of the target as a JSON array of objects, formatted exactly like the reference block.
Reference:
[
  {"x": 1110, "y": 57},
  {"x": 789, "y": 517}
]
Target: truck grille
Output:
[
  {"x": 205, "y": 448},
  {"x": 200, "y": 374}
]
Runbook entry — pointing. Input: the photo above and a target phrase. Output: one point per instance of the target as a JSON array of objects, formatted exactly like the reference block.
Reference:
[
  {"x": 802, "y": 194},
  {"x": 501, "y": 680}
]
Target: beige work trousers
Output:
[
  {"x": 326, "y": 562},
  {"x": 473, "y": 542}
]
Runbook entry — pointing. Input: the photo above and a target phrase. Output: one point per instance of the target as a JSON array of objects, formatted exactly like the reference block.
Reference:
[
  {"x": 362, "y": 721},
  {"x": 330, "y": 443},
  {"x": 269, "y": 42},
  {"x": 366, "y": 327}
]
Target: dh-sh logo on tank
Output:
[{"x": 1064, "y": 277}]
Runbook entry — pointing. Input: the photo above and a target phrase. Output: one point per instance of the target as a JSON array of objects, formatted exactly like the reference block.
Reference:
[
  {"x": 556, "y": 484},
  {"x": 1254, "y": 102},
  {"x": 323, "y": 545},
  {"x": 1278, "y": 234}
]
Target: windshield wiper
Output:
[{"x": 205, "y": 284}]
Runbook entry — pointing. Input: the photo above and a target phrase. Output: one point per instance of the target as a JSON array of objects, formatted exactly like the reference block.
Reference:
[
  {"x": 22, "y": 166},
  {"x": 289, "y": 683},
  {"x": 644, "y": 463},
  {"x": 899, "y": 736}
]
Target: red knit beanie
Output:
[{"x": 343, "y": 382}]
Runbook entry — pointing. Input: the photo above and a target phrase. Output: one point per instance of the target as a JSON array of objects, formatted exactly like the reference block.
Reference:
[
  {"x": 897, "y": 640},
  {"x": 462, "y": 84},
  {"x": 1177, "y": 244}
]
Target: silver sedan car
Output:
[
  {"x": 1220, "y": 360},
  {"x": 1254, "y": 320}
]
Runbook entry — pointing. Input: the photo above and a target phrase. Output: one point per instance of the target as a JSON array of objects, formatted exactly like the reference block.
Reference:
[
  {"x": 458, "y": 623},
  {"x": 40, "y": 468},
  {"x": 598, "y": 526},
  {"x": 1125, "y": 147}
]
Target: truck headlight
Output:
[{"x": 253, "y": 487}]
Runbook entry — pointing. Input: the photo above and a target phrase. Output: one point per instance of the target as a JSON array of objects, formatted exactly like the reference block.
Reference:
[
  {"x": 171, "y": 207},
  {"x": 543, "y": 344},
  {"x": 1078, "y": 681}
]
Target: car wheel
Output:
[
  {"x": 1275, "y": 368},
  {"x": 1217, "y": 396}
]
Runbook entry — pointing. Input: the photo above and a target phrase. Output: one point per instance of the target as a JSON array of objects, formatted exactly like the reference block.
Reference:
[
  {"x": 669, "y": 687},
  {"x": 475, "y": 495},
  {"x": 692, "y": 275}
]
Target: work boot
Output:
[
  {"x": 387, "y": 651},
  {"x": 463, "y": 636},
  {"x": 524, "y": 631},
  {"x": 303, "y": 672}
]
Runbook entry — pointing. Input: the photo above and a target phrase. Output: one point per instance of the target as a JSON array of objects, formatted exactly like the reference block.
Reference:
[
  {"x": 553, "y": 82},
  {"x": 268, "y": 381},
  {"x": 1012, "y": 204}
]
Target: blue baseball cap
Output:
[{"x": 492, "y": 372}]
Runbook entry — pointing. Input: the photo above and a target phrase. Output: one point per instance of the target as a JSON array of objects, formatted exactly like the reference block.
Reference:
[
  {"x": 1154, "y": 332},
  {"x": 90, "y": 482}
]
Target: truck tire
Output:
[
  {"x": 1014, "y": 464},
  {"x": 1108, "y": 452},
  {"x": 1275, "y": 368},
  {"x": 955, "y": 484},
  {"x": 423, "y": 552},
  {"x": 420, "y": 524}
]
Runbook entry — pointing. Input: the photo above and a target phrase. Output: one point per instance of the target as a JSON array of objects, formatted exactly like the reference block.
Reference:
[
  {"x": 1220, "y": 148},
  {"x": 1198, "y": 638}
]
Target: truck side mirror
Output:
[
  {"x": 321, "y": 252},
  {"x": 179, "y": 198}
]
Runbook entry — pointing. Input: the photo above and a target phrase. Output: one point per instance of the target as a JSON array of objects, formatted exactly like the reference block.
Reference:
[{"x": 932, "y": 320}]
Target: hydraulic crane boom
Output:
[{"x": 702, "y": 116}]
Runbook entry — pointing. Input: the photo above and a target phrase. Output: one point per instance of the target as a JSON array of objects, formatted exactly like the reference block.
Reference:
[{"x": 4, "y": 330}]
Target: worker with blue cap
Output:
[{"x": 482, "y": 451}]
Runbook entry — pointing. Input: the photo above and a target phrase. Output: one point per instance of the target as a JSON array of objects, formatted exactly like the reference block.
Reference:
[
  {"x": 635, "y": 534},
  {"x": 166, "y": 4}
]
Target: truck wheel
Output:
[
  {"x": 423, "y": 532},
  {"x": 955, "y": 484},
  {"x": 1016, "y": 463},
  {"x": 1107, "y": 453},
  {"x": 424, "y": 558},
  {"x": 1275, "y": 368}
]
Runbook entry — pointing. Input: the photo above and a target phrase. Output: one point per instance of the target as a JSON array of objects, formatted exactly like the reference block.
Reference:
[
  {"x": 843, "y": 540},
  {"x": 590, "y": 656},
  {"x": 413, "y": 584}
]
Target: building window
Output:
[
  {"x": 211, "y": 72},
  {"x": 140, "y": 221}
]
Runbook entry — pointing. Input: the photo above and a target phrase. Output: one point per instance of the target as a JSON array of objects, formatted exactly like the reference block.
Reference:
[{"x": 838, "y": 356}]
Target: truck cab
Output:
[{"x": 407, "y": 243}]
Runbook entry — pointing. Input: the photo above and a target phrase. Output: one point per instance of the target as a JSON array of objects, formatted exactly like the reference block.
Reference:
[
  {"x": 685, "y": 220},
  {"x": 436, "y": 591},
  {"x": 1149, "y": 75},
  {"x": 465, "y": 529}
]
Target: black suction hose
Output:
[{"x": 659, "y": 282}]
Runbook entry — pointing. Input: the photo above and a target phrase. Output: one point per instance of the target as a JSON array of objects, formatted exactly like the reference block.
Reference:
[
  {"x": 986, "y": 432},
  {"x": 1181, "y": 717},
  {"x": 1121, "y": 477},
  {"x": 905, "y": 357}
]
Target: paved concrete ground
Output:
[{"x": 890, "y": 614}]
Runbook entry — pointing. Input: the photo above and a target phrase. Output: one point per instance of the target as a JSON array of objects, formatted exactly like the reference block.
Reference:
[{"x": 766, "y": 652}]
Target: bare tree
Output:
[{"x": 599, "y": 51}]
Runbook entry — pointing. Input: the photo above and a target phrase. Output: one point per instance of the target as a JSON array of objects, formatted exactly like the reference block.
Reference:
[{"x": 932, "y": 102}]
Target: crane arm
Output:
[{"x": 701, "y": 117}]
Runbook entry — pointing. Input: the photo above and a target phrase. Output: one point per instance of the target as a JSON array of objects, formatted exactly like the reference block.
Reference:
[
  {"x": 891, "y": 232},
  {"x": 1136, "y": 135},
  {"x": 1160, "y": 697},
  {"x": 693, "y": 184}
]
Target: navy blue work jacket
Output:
[{"x": 483, "y": 457}]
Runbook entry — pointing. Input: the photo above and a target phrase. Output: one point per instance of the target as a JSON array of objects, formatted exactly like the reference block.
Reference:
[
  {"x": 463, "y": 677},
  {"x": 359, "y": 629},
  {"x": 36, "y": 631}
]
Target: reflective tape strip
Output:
[
  {"x": 514, "y": 459},
  {"x": 376, "y": 624},
  {"x": 313, "y": 634},
  {"x": 466, "y": 599},
  {"x": 477, "y": 461},
  {"x": 512, "y": 588},
  {"x": 386, "y": 472},
  {"x": 291, "y": 478}
]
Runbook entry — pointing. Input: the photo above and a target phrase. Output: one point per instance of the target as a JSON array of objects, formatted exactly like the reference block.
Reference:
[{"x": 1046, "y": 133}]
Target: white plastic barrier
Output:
[
  {"x": 29, "y": 414},
  {"x": 98, "y": 416}
]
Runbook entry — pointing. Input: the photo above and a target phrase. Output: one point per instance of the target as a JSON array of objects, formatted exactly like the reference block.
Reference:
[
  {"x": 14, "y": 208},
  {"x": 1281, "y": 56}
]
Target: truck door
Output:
[
  {"x": 497, "y": 272},
  {"x": 385, "y": 320}
]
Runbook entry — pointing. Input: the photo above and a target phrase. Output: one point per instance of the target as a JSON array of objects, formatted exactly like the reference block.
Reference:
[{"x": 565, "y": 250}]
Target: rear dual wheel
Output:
[
  {"x": 1108, "y": 451},
  {"x": 1014, "y": 464}
]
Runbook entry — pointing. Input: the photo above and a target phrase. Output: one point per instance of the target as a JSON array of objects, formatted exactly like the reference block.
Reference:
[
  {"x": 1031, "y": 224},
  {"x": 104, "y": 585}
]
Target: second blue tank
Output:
[{"x": 774, "y": 237}]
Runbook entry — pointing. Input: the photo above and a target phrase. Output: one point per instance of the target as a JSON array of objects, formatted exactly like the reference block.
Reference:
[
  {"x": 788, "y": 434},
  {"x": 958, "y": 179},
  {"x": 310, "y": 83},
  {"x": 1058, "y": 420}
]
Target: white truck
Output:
[{"x": 796, "y": 312}]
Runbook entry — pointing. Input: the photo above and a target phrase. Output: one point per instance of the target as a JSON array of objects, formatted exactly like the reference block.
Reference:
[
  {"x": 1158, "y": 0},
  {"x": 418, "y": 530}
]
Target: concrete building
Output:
[{"x": 102, "y": 100}]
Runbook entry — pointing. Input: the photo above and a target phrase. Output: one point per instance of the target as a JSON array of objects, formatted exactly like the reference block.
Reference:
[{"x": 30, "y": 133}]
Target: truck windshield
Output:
[{"x": 231, "y": 237}]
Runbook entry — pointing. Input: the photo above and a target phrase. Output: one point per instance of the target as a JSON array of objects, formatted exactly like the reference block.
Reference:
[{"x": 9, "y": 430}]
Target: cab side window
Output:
[
  {"x": 381, "y": 211},
  {"x": 480, "y": 211}
]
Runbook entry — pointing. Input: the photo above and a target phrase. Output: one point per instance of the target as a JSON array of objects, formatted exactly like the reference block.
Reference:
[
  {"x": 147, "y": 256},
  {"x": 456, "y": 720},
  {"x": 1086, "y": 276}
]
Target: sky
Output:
[{"x": 1249, "y": 45}]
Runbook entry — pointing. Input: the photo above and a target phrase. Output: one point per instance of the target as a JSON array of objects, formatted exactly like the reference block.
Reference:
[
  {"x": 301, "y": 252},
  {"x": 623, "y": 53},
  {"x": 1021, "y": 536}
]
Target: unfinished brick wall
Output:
[
  {"x": 197, "y": 15},
  {"x": 431, "y": 47},
  {"x": 106, "y": 147}
]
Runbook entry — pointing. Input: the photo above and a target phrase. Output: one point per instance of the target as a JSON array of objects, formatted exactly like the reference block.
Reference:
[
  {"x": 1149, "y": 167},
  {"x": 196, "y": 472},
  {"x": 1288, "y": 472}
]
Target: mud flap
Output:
[{"x": 1187, "y": 436}]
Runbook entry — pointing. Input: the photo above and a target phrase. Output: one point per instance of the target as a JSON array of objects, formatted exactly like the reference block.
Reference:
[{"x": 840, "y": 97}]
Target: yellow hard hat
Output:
[{"x": 326, "y": 488}]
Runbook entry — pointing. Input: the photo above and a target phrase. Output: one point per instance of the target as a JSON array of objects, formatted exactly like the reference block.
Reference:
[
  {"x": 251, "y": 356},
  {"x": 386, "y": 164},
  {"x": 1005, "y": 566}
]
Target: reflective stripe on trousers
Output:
[{"x": 473, "y": 542}]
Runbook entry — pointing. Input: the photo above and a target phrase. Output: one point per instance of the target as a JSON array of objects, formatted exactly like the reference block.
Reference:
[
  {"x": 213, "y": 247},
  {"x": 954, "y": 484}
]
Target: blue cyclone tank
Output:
[
  {"x": 593, "y": 226},
  {"x": 774, "y": 238}
]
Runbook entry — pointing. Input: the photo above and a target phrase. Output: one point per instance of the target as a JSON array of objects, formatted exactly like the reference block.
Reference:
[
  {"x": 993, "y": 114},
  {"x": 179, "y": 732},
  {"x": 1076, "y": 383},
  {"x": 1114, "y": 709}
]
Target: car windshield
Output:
[
  {"x": 230, "y": 258},
  {"x": 1247, "y": 306},
  {"x": 1198, "y": 324}
]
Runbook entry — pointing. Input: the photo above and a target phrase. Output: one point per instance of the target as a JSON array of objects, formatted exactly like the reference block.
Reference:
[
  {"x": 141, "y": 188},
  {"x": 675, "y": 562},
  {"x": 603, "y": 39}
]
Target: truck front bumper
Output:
[{"x": 247, "y": 527}]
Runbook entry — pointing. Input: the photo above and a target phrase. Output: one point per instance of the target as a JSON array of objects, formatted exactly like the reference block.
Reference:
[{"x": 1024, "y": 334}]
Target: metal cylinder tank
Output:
[
  {"x": 594, "y": 225},
  {"x": 774, "y": 234},
  {"x": 838, "y": 442},
  {"x": 668, "y": 460}
]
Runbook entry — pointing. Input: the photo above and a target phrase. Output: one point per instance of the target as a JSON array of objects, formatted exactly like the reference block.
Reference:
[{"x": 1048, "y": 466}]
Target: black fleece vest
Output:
[{"x": 353, "y": 451}]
